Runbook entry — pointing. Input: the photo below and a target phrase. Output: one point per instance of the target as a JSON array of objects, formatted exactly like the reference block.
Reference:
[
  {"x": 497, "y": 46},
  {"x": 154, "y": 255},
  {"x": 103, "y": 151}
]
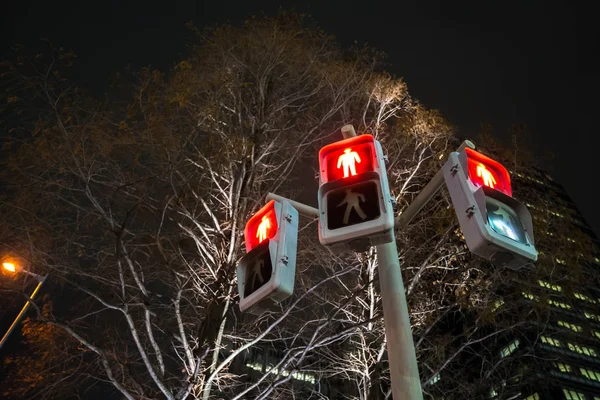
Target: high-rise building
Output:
[{"x": 555, "y": 354}]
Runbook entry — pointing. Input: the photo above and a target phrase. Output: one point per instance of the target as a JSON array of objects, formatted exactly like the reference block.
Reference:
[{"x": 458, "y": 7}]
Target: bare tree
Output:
[{"x": 138, "y": 209}]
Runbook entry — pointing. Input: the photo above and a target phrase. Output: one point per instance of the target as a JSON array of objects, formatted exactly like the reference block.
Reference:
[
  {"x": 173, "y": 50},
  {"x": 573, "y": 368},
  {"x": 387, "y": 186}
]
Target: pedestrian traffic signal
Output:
[
  {"x": 354, "y": 198},
  {"x": 495, "y": 225},
  {"x": 266, "y": 273}
]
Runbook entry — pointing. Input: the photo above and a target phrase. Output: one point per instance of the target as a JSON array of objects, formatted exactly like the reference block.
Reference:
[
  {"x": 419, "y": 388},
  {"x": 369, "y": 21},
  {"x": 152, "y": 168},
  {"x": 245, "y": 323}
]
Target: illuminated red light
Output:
[
  {"x": 261, "y": 226},
  {"x": 483, "y": 171},
  {"x": 347, "y": 158}
]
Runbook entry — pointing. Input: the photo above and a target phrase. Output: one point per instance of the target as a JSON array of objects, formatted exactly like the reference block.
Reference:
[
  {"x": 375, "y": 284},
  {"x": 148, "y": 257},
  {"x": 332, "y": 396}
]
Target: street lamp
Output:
[
  {"x": 14, "y": 267},
  {"x": 10, "y": 267}
]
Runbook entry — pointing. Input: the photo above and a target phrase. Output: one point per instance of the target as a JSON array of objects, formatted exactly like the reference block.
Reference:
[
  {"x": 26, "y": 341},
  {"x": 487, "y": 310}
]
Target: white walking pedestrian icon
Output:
[{"x": 352, "y": 201}]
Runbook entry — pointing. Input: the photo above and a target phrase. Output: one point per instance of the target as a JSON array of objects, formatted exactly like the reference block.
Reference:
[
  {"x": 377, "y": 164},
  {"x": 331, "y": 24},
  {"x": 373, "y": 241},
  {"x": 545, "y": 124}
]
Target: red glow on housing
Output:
[
  {"x": 347, "y": 158},
  {"x": 483, "y": 171},
  {"x": 261, "y": 226}
]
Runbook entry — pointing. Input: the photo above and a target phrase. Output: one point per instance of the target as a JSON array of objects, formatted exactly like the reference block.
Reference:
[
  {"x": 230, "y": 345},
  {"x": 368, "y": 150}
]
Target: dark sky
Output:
[{"x": 500, "y": 62}]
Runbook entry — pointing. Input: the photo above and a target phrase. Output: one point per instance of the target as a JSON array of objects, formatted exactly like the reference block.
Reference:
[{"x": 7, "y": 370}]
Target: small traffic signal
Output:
[
  {"x": 495, "y": 225},
  {"x": 355, "y": 205},
  {"x": 266, "y": 273}
]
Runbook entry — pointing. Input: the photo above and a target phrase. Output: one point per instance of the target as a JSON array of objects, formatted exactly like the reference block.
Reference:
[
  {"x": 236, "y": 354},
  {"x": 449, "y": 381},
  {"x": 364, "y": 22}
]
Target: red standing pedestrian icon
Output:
[{"x": 348, "y": 161}]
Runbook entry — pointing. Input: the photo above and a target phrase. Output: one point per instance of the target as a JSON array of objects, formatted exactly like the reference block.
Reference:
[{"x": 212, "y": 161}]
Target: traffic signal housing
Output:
[
  {"x": 266, "y": 273},
  {"x": 355, "y": 206},
  {"x": 495, "y": 225}
]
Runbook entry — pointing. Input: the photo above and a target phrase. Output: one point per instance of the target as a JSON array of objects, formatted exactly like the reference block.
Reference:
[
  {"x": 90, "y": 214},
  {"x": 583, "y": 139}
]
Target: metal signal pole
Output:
[{"x": 404, "y": 372}]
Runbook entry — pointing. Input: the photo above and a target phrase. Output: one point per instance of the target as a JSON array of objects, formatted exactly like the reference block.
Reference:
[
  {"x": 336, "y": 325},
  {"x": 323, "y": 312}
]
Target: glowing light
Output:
[
  {"x": 483, "y": 171},
  {"x": 503, "y": 220},
  {"x": 347, "y": 160},
  {"x": 263, "y": 228},
  {"x": 503, "y": 228},
  {"x": 486, "y": 175},
  {"x": 9, "y": 266}
]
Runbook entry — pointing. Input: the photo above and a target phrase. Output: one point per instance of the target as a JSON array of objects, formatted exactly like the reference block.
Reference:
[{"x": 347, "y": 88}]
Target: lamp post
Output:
[{"x": 12, "y": 267}]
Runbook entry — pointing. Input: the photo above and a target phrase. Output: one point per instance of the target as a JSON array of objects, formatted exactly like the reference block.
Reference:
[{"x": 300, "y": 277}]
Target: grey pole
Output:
[
  {"x": 23, "y": 311},
  {"x": 404, "y": 372},
  {"x": 303, "y": 209}
]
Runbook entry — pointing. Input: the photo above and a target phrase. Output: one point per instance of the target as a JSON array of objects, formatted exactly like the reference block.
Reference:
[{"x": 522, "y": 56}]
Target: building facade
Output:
[{"x": 557, "y": 355}]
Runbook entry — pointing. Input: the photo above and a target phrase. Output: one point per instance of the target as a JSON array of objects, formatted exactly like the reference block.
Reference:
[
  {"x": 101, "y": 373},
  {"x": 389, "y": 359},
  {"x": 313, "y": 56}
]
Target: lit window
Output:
[
  {"x": 573, "y": 327},
  {"x": 548, "y": 285},
  {"x": 592, "y": 375},
  {"x": 591, "y": 316},
  {"x": 508, "y": 350},
  {"x": 497, "y": 304},
  {"x": 559, "y": 304},
  {"x": 560, "y": 261},
  {"x": 573, "y": 395},
  {"x": 582, "y": 350},
  {"x": 434, "y": 379},
  {"x": 563, "y": 367},
  {"x": 534, "y": 396},
  {"x": 301, "y": 376},
  {"x": 493, "y": 393},
  {"x": 528, "y": 295},
  {"x": 584, "y": 298},
  {"x": 550, "y": 341}
]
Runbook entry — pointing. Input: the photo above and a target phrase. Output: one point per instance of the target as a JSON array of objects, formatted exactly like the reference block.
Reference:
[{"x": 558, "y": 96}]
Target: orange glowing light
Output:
[
  {"x": 9, "y": 266},
  {"x": 483, "y": 171},
  {"x": 486, "y": 175},
  {"x": 263, "y": 228},
  {"x": 348, "y": 160}
]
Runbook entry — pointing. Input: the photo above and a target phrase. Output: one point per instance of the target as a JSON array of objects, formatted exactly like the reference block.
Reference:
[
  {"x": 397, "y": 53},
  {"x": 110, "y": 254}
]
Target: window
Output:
[
  {"x": 493, "y": 393},
  {"x": 497, "y": 304},
  {"x": 434, "y": 379},
  {"x": 534, "y": 396},
  {"x": 582, "y": 350},
  {"x": 300, "y": 376},
  {"x": 563, "y": 367},
  {"x": 570, "y": 326},
  {"x": 561, "y": 261},
  {"x": 548, "y": 285},
  {"x": 559, "y": 304},
  {"x": 573, "y": 395},
  {"x": 508, "y": 350},
  {"x": 528, "y": 295},
  {"x": 550, "y": 341},
  {"x": 584, "y": 298},
  {"x": 592, "y": 375},
  {"x": 591, "y": 316}
]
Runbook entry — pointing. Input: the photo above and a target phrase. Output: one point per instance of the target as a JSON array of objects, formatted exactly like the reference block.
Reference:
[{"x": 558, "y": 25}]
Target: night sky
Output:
[{"x": 498, "y": 62}]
